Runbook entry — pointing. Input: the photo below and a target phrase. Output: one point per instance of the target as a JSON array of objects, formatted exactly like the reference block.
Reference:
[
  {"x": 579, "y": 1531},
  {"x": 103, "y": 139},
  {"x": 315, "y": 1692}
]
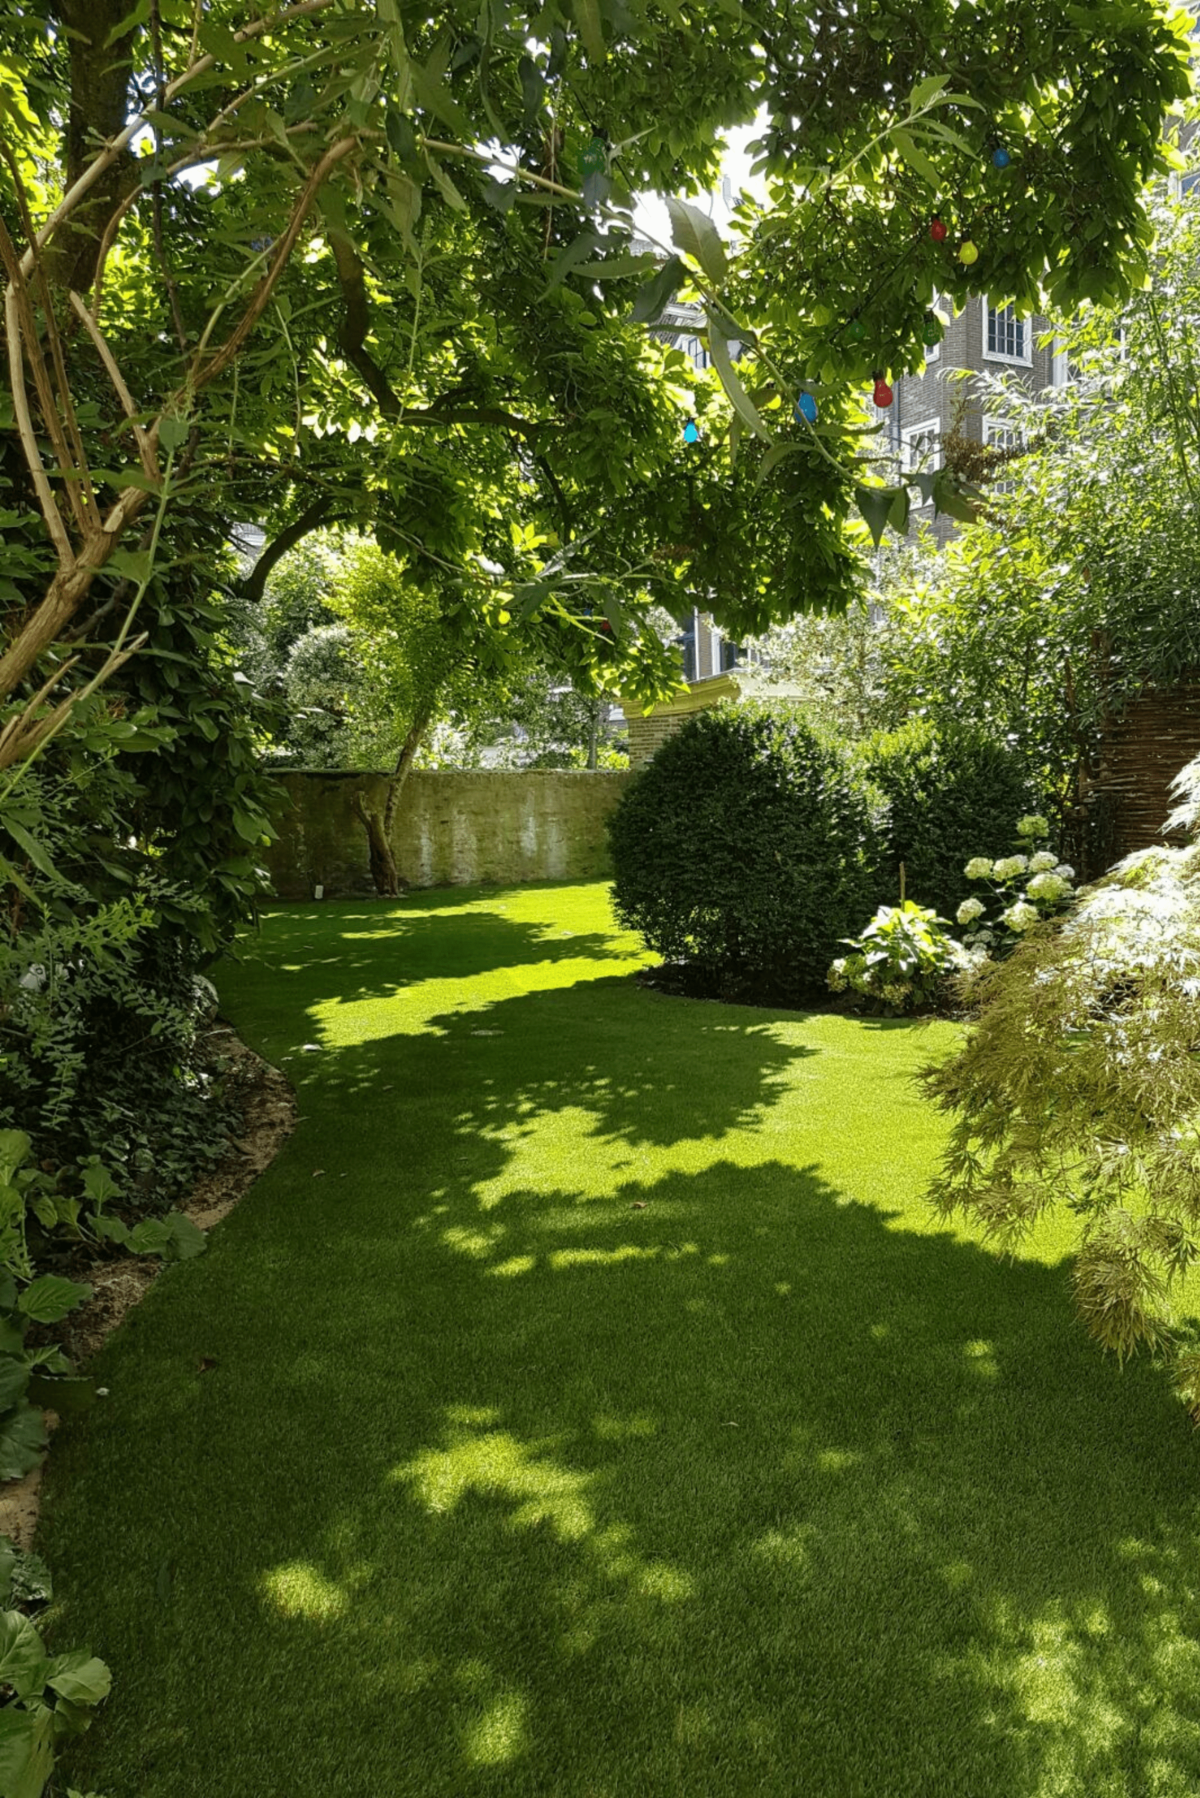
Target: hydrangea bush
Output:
[
  {"x": 902, "y": 958},
  {"x": 1077, "y": 1094},
  {"x": 1021, "y": 890}
]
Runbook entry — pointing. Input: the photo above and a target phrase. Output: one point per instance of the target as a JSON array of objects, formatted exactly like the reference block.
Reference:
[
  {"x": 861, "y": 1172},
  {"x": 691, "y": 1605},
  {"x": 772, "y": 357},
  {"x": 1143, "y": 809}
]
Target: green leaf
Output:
[
  {"x": 694, "y": 232},
  {"x": 130, "y": 22},
  {"x": 29, "y": 843},
  {"x": 898, "y": 512},
  {"x": 955, "y": 498},
  {"x": 591, "y": 29},
  {"x": 14, "y": 1152},
  {"x": 401, "y": 135},
  {"x": 79, "y": 1677},
  {"x": 875, "y": 504},
  {"x": 927, "y": 90},
  {"x": 26, "y": 1751},
  {"x": 615, "y": 266},
  {"x": 435, "y": 96},
  {"x": 248, "y": 827},
  {"x": 22, "y": 1657},
  {"x": 573, "y": 254},
  {"x": 172, "y": 432},
  {"x": 445, "y": 185},
  {"x": 739, "y": 399},
  {"x": 187, "y": 1239},
  {"x": 151, "y": 1237},
  {"x": 654, "y": 297},
  {"x": 51, "y": 1297},
  {"x": 774, "y": 456},
  {"x": 533, "y": 89},
  {"x": 14, "y": 1381},
  {"x": 916, "y": 159}
]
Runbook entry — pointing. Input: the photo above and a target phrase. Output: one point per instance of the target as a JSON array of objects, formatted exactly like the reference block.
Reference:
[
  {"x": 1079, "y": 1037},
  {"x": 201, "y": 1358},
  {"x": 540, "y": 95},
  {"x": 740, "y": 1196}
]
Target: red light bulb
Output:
[
  {"x": 883, "y": 395},
  {"x": 937, "y": 230}
]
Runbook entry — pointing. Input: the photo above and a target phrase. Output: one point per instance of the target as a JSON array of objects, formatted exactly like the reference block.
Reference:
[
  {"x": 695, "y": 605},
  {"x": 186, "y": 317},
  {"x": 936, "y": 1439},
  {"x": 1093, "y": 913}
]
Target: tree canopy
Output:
[{"x": 372, "y": 263}]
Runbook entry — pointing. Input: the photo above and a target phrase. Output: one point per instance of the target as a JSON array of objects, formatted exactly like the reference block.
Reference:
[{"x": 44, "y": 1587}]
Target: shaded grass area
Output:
[{"x": 597, "y": 1410}]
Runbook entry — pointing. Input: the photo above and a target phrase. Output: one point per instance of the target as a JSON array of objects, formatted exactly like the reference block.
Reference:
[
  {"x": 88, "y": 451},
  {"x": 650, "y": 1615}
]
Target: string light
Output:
[
  {"x": 806, "y": 408},
  {"x": 968, "y": 253},
  {"x": 883, "y": 395},
  {"x": 937, "y": 229},
  {"x": 1001, "y": 157},
  {"x": 691, "y": 431}
]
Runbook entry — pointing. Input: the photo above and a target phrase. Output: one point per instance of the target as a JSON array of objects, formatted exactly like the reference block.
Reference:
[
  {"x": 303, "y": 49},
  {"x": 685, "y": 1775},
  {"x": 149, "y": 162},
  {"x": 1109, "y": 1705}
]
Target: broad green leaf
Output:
[
  {"x": 22, "y": 1656},
  {"x": 14, "y": 1152},
  {"x": 955, "y": 498},
  {"x": 150, "y": 1237},
  {"x": 774, "y": 456},
  {"x": 533, "y": 90},
  {"x": 187, "y": 1240},
  {"x": 591, "y": 28},
  {"x": 448, "y": 190},
  {"x": 51, "y": 1297},
  {"x": 26, "y": 1751},
  {"x": 875, "y": 504},
  {"x": 431, "y": 90},
  {"x": 571, "y": 255},
  {"x": 916, "y": 159},
  {"x": 654, "y": 297},
  {"x": 927, "y": 90},
  {"x": 131, "y": 21},
  {"x": 36, "y": 852},
  {"x": 14, "y": 1380},
  {"x": 79, "y": 1676},
  {"x": 739, "y": 399},
  {"x": 694, "y": 232}
]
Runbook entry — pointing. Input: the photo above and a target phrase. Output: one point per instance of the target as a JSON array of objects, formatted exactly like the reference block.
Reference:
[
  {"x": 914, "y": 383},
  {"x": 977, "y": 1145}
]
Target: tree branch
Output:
[{"x": 310, "y": 519}]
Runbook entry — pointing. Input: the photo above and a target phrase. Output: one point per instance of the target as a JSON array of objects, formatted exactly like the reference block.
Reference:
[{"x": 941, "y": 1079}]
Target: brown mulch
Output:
[{"x": 268, "y": 1108}]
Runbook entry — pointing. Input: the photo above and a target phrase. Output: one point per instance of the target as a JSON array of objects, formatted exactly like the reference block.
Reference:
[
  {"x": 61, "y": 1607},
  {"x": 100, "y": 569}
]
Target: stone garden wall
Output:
[{"x": 452, "y": 829}]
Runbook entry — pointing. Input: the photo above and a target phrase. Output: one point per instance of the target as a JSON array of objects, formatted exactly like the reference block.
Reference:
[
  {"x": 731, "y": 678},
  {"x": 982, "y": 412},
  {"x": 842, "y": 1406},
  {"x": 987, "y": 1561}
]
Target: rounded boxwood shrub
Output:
[
  {"x": 748, "y": 847},
  {"x": 952, "y": 793}
]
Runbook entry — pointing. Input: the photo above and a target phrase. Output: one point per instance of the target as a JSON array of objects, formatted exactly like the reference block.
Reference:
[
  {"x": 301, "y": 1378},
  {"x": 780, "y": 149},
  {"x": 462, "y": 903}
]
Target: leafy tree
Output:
[
  {"x": 362, "y": 273},
  {"x": 1078, "y": 588}
]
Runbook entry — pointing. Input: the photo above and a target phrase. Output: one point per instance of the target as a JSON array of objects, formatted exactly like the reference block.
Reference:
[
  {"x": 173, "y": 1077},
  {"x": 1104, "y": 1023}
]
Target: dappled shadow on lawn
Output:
[
  {"x": 551, "y": 1424},
  {"x": 742, "y": 1491},
  {"x": 347, "y": 957}
]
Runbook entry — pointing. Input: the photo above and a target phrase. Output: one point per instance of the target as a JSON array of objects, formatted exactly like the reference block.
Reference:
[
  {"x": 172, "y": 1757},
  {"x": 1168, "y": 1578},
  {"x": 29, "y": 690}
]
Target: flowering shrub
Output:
[
  {"x": 902, "y": 958},
  {"x": 993, "y": 926},
  {"x": 1076, "y": 1095}
]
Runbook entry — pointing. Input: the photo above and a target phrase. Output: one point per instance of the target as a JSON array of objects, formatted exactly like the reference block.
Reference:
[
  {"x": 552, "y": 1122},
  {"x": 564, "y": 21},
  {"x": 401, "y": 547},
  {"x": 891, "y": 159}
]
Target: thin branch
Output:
[
  {"x": 83, "y": 502},
  {"x": 117, "y": 146},
  {"x": 146, "y": 450},
  {"x": 29, "y": 443},
  {"x": 202, "y": 373}
]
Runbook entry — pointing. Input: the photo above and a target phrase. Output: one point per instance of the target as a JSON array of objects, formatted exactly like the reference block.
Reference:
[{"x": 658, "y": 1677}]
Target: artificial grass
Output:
[{"x": 595, "y": 1409}]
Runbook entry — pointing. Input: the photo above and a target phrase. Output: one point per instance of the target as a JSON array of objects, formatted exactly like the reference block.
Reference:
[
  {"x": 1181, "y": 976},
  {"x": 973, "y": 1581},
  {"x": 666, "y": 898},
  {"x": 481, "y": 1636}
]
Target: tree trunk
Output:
[{"x": 378, "y": 824}]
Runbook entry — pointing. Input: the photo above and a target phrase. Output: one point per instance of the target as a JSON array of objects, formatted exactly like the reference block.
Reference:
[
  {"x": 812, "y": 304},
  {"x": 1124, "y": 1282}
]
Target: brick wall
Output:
[{"x": 453, "y": 828}]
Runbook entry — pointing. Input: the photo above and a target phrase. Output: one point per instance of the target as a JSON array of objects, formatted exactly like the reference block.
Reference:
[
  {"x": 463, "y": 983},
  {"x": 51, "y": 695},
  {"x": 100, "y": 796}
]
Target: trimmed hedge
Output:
[
  {"x": 951, "y": 794},
  {"x": 748, "y": 847}
]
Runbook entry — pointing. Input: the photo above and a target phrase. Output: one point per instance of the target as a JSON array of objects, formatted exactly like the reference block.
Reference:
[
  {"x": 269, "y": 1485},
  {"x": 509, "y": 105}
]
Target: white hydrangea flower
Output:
[
  {"x": 1020, "y": 916},
  {"x": 969, "y": 910},
  {"x": 895, "y": 995},
  {"x": 1048, "y": 887},
  {"x": 1032, "y": 825},
  {"x": 1065, "y": 871},
  {"x": 1044, "y": 860},
  {"x": 836, "y": 977},
  {"x": 1008, "y": 865},
  {"x": 978, "y": 868}
]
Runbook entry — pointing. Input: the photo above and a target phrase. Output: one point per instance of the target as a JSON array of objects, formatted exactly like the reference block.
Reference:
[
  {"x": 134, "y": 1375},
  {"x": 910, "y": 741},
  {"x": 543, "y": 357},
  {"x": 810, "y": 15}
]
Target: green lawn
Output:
[{"x": 598, "y": 1412}]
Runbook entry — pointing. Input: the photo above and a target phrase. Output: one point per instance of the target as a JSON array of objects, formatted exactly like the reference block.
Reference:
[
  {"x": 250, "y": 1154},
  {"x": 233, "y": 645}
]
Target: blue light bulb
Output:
[
  {"x": 806, "y": 408},
  {"x": 1001, "y": 158},
  {"x": 691, "y": 431}
]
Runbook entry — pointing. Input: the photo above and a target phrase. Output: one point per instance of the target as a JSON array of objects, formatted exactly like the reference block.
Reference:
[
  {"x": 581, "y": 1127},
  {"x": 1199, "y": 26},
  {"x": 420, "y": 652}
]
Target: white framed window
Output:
[
  {"x": 1006, "y": 338},
  {"x": 921, "y": 448},
  {"x": 1060, "y": 367},
  {"x": 695, "y": 351},
  {"x": 1002, "y": 434}
]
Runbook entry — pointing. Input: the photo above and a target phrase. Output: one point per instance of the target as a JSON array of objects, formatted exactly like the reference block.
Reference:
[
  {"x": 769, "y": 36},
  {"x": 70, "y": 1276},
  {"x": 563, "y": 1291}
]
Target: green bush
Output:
[
  {"x": 748, "y": 847},
  {"x": 948, "y": 792}
]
